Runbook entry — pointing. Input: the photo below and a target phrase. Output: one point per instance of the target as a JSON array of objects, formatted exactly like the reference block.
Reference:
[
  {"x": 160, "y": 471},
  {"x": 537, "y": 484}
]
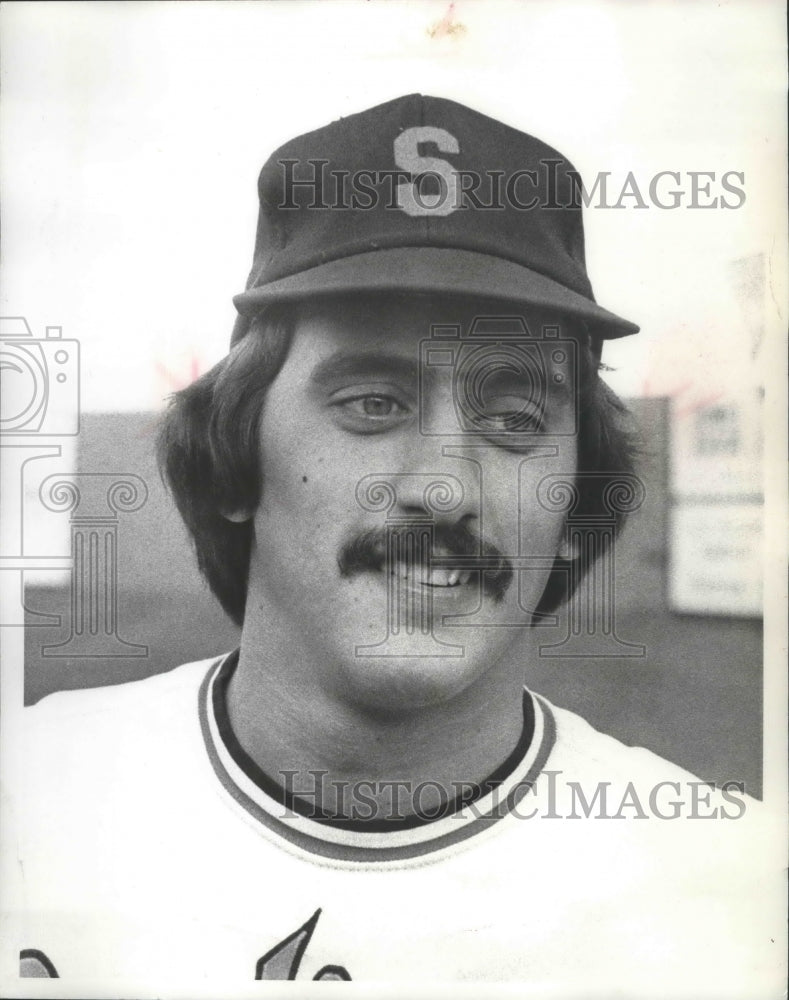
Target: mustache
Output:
[{"x": 369, "y": 552}]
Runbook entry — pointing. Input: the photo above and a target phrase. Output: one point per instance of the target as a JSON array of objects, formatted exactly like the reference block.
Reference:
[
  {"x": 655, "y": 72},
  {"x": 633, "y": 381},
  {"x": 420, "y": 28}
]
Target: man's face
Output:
[{"x": 382, "y": 458}]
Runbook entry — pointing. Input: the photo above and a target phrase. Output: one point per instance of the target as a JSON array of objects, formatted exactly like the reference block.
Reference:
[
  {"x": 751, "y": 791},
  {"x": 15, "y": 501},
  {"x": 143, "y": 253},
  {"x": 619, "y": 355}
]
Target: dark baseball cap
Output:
[{"x": 422, "y": 194}]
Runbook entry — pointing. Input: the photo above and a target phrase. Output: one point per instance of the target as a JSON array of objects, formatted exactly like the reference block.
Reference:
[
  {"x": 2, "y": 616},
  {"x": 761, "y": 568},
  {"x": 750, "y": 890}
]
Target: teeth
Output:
[{"x": 433, "y": 577}]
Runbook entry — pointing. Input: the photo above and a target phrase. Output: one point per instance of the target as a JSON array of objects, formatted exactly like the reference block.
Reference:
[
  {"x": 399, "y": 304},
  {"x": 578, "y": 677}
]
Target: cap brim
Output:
[{"x": 435, "y": 269}]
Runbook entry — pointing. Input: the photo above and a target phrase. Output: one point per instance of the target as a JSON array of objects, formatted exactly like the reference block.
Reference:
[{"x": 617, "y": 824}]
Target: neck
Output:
[{"x": 292, "y": 723}]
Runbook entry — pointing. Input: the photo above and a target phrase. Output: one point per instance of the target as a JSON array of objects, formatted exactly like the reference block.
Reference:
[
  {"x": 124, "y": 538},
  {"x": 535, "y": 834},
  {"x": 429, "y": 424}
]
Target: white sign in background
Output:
[{"x": 716, "y": 559}]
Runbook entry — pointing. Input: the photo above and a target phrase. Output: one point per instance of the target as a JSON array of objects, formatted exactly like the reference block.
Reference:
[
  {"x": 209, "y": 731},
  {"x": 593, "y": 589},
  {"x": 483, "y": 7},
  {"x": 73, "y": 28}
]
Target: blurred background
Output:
[
  {"x": 132, "y": 138},
  {"x": 688, "y": 593}
]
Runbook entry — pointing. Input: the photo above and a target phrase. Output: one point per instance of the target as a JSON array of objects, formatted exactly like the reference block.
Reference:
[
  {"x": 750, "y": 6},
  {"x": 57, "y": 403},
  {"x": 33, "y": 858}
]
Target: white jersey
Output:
[{"x": 153, "y": 853}]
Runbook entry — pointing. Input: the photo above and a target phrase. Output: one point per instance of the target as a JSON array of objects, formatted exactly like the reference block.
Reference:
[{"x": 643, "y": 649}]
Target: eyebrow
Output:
[
  {"x": 376, "y": 364},
  {"x": 353, "y": 363}
]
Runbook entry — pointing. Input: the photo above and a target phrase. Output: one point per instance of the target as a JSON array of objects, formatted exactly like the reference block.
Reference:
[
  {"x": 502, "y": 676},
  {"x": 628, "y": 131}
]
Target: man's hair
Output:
[{"x": 209, "y": 454}]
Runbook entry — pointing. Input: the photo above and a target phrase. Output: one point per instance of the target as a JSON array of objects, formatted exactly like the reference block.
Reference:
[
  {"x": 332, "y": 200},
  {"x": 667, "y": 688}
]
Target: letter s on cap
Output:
[{"x": 406, "y": 155}]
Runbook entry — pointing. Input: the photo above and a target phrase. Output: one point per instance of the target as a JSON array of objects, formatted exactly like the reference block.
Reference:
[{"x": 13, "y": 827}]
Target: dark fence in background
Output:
[{"x": 695, "y": 697}]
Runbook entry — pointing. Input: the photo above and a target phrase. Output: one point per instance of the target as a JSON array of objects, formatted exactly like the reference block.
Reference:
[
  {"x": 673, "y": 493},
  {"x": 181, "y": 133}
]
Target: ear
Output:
[{"x": 238, "y": 516}]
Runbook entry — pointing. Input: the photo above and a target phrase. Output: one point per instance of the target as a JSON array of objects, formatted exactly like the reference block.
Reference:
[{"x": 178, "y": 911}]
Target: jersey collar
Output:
[{"x": 278, "y": 814}]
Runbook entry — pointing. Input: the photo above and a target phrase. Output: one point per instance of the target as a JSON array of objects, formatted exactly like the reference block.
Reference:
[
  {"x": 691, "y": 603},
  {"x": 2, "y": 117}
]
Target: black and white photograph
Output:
[{"x": 393, "y": 457}]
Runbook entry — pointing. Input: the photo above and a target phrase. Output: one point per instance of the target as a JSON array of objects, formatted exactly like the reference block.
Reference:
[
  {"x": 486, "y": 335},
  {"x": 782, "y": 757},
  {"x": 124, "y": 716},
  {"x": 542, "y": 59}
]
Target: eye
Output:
[
  {"x": 513, "y": 421},
  {"x": 509, "y": 415},
  {"x": 369, "y": 412},
  {"x": 375, "y": 406}
]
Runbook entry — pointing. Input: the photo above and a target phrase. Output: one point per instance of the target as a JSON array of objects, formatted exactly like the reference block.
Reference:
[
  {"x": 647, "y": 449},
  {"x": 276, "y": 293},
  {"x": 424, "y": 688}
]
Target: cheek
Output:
[
  {"x": 544, "y": 497},
  {"x": 290, "y": 442},
  {"x": 290, "y": 477},
  {"x": 308, "y": 483}
]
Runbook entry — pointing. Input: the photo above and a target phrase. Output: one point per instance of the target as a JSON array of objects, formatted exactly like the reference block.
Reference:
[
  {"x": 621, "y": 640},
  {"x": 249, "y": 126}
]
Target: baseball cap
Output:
[{"x": 422, "y": 194}]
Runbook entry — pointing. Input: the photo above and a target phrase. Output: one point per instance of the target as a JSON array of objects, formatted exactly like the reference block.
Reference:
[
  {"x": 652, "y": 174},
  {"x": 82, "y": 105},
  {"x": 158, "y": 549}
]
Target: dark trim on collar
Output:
[{"x": 288, "y": 800}]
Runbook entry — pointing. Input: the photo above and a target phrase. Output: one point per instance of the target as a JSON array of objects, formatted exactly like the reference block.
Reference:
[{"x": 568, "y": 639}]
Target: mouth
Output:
[
  {"x": 456, "y": 563},
  {"x": 433, "y": 577}
]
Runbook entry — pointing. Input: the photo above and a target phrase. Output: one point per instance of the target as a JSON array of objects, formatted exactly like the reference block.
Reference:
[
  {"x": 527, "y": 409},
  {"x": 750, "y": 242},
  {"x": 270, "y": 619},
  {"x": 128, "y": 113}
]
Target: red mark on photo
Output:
[
  {"x": 178, "y": 380},
  {"x": 447, "y": 27},
  {"x": 683, "y": 407}
]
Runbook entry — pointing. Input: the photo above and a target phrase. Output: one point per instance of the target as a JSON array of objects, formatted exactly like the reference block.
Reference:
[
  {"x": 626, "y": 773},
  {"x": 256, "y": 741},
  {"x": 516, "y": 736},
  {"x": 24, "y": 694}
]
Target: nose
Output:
[
  {"x": 429, "y": 478},
  {"x": 437, "y": 478},
  {"x": 418, "y": 496},
  {"x": 431, "y": 485},
  {"x": 437, "y": 496}
]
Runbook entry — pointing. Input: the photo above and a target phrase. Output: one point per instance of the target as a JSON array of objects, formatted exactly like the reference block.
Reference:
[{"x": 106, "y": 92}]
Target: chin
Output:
[{"x": 400, "y": 684}]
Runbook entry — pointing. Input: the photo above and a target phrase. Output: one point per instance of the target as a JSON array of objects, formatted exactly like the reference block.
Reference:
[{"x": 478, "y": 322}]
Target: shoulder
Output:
[
  {"x": 105, "y": 706},
  {"x": 598, "y": 775},
  {"x": 669, "y": 826},
  {"x": 100, "y": 737},
  {"x": 587, "y": 751},
  {"x": 104, "y": 774}
]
